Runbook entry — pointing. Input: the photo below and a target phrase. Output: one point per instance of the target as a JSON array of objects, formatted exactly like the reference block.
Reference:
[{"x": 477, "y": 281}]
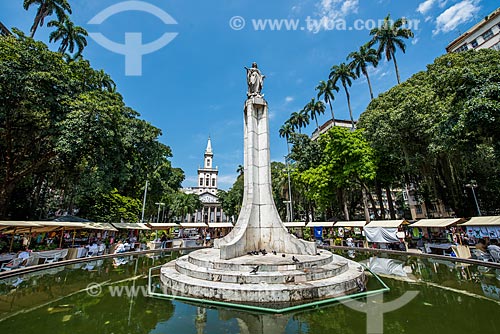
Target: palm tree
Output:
[
  {"x": 298, "y": 120},
  {"x": 360, "y": 60},
  {"x": 69, "y": 34},
  {"x": 389, "y": 37},
  {"x": 344, "y": 73},
  {"x": 286, "y": 131},
  {"x": 104, "y": 81},
  {"x": 45, "y": 9},
  {"x": 325, "y": 89},
  {"x": 315, "y": 109}
]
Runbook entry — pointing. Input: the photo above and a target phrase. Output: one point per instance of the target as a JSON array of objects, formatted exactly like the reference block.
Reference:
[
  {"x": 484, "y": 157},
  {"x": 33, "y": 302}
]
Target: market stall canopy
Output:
[
  {"x": 216, "y": 225},
  {"x": 383, "y": 231},
  {"x": 130, "y": 226},
  {"x": 320, "y": 224},
  {"x": 49, "y": 226},
  {"x": 445, "y": 222},
  {"x": 294, "y": 224},
  {"x": 162, "y": 226},
  {"x": 9, "y": 227},
  {"x": 193, "y": 225},
  {"x": 100, "y": 226},
  {"x": 387, "y": 223},
  {"x": 483, "y": 221},
  {"x": 353, "y": 223}
]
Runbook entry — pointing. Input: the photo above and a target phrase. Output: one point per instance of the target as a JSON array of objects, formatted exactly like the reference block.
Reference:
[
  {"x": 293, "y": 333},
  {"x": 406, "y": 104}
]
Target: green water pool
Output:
[{"x": 108, "y": 296}]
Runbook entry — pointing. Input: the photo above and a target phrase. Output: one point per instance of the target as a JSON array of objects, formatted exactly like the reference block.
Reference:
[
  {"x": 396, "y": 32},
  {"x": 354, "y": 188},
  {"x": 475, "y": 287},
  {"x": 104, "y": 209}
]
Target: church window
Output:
[
  {"x": 201, "y": 181},
  {"x": 213, "y": 182},
  {"x": 207, "y": 183}
]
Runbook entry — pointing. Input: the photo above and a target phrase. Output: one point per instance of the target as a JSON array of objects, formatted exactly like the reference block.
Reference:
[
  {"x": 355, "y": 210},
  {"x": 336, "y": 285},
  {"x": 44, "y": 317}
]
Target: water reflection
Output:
[{"x": 452, "y": 299}]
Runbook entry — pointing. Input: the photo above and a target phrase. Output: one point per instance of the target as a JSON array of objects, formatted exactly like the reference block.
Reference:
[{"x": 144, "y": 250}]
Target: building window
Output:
[
  {"x": 213, "y": 182},
  {"x": 201, "y": 181},
  {"x": 418, "y": 209},
  {"x": 208, "y": 162},
  {"x": 207, "y": 183},
  {"x": 487, "y": 35},
  {"x": 462, "y": 48},
  {"x": 474, "y": 43}
]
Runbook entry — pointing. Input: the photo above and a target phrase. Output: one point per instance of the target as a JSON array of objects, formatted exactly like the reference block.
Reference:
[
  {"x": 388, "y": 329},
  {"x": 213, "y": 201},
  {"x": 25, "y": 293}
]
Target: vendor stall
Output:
[
  {"x": 439, "y": 233},
  {"x": 483, "y": 227},
  {"x": 383, "y": 231}
]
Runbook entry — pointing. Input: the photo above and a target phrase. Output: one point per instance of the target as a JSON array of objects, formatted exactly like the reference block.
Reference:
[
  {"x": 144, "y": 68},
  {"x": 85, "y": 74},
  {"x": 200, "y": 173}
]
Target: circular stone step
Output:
[
  {"x": 286, "y": 285},
  {"x": 210, "y": 258},
  {"x": 185, "y": 267}
]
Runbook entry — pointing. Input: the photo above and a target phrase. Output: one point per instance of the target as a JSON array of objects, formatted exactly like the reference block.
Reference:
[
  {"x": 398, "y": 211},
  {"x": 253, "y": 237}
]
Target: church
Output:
[{"x": 207, "y": 191}]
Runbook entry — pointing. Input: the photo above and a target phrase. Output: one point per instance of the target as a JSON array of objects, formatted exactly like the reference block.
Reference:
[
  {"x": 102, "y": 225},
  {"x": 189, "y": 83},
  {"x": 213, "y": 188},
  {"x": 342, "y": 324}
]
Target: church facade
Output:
[{"x": 207, "y": 191}]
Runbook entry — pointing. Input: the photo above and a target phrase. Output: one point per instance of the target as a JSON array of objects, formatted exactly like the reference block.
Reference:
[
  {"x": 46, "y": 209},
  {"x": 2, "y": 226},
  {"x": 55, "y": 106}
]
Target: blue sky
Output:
[{"x": 195, "y": 86}]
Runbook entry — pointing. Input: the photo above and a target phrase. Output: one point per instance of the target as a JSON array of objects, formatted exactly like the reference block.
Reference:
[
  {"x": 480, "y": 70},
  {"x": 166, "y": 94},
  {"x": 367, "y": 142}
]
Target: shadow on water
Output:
[{"x": 451, "y": 299}]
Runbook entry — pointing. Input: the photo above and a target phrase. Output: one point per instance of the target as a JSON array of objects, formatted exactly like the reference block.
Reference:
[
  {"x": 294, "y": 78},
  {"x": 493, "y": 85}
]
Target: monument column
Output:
[{"x": 259, "y": 225}]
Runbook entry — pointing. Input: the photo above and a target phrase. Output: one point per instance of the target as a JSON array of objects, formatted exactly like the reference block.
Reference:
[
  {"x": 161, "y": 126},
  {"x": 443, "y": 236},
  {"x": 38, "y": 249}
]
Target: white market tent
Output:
[
  {"x": 483, "y": 221},
  {"x": 320, "y": 224},
  {"x": 162, "y": 226},
  {"x": 131, "y": 226},
  {"x": 294, "y": 224},
  {"x": 383, "y": 231},
  {"x": 440, "y": 223},
  {"x": 220, "y": 225},
  {"x": 193, "y": 225},
  {"x": 483, "y": 227},
  {"x": 352, "y": 223}
]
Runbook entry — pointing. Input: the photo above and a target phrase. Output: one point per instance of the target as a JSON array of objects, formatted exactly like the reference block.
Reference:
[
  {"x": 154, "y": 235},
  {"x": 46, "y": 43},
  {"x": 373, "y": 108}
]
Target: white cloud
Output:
[
  {"x": 456, "y": 15},
  {"x": 226, "y": 181},
  {"x": 415, "y": 40},
  {"x": 425, "y": 6},
  {"x": 337, "y": 9},
  {"x": 289, "y": 99}
]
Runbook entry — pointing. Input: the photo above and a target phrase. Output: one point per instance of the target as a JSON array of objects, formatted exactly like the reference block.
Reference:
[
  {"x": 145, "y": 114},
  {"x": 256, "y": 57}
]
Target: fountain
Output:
[{"x": 260, "y": 261}]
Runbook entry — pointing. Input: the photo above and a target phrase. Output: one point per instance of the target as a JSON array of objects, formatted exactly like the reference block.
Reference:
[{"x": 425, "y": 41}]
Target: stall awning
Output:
[
  {"x": 320, "y": 224},
  {"x": 100, "y": 226},
  {"x": 353, "y": 223},
  {"x": 131, "y": 226},
  {"x": 220, "y": 225},
  {"x": 386, "y": 223},
  {"x": 162, "y": 226},
  {"x": 8, "y": 224},
  {"x": 193, "y": 225},
  {"x": 436, "y": 222},
  {"x": 483, "y": 221},
  {"x": 9, "y": 227},
  {"x": 294, "y": 224}
]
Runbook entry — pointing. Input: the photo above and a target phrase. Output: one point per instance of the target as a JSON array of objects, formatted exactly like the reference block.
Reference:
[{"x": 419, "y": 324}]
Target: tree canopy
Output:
[{"x": 67, "y": 139}]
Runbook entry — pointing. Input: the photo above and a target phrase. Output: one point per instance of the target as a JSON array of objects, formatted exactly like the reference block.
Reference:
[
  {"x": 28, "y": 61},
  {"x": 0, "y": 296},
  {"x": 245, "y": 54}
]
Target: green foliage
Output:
[
  {"x": 347, "y": 160},
  {"x": 232, "y": 199},
  {"x": 114, "y": 208},
  {"x": 67, "y": 138},
  {"x": 440, "y": 129}
]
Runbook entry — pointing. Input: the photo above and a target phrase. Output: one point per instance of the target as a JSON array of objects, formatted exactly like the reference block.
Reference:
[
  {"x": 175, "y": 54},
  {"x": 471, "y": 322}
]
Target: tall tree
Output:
[
  {"x": 360, "y": 61},
  {"x": 47, "y": 8},
  {"x": 325, "y": 89},
  {"x": 69, "y": 34},
  {"x": 344, "y": 73},
  {"x": 389, "y": 37},
  {"x": 315, "y": 109}
]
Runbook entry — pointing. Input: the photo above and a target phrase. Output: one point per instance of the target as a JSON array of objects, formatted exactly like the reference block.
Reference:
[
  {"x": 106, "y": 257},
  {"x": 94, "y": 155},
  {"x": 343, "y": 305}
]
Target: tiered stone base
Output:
[{"x": 202, "y": 274}]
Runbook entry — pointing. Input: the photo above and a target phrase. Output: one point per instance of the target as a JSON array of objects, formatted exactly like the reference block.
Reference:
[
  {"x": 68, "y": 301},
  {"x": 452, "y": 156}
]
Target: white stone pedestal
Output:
[{"x": 259, "y": 225}]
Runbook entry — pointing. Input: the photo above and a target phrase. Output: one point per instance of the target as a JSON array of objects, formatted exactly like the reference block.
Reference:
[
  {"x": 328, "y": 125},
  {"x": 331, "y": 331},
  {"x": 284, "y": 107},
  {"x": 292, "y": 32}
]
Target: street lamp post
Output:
[
  {"x": 159, "y": 206},
  {"x": 289, "y": 187},
  {"x": 473, "y": 185}
]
